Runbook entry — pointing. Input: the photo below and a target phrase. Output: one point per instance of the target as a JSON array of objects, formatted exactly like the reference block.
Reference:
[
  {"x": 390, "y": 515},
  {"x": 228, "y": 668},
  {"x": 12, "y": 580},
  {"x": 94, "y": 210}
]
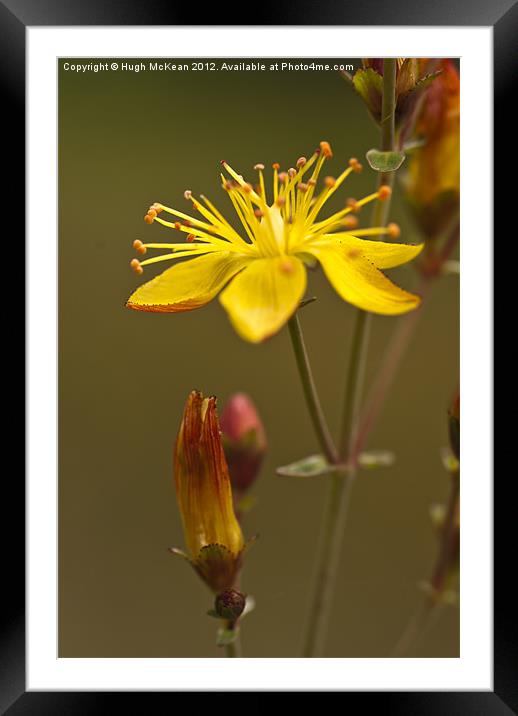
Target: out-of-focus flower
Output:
[
  {"x": 265, "y": 268},
  {"x": 432, "y": 171},
  {"x": 212, "y": 533},
  {"x": 244, "y": 440},
  {"x": 412, "y": 79}
]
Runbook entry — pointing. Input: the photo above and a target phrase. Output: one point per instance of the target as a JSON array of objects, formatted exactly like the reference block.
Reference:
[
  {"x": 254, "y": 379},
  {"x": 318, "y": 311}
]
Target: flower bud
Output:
[
  {"x": 212, "y": 533},
  {"x": 411, "y": 81},
  {"x": 244, "y": 440},
  {"x": 431, "y": 179},
  {"x": 230, "y": 604}
]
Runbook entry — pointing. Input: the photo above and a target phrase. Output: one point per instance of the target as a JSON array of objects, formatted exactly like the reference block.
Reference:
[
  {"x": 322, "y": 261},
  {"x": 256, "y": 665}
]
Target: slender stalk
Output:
[
  {"x": 310, "y": 391},
  {"x": 341, "y": 482},
  {"x": 233, "y": 650}
]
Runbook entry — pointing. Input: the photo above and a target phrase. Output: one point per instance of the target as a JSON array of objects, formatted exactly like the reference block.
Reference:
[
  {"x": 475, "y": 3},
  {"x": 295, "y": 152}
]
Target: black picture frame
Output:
[{"x": 15, "y": 17}]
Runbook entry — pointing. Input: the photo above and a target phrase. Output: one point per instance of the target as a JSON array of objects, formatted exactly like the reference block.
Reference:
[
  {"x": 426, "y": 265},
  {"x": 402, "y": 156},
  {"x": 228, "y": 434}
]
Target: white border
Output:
[{"x": 473, "y": 670}]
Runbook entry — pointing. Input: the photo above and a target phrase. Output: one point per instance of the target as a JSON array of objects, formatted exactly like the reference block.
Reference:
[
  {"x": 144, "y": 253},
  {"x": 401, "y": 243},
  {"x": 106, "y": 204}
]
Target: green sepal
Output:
[
  {"x": 369, "y": 85},
  {"x": 225, "y": 637},
  {"x": 385, "y": 161},
  {"x": 311, "y": 466}
]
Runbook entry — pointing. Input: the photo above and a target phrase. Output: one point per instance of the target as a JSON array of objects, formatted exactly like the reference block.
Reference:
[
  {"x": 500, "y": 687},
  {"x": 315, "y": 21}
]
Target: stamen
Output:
[
  {"x": 292, "y": 172},
  {"x": 276, "y": 166},
  {"x": 329, "y": 182},
  {"x": 326, "y": 149},
  {"x": 139, "y": 246},
  {"x": 191, "y": 238},
  {"x": 301, "y": 161},
  {"x": 280, "y": 201},
  {"x": 149, "y": 219},
  {"x": 384, "y": 192},
  {"x": 354, "y": 205},
  {"x": 259, "y": 167},
  {"x": 350, "y": 222},
  {"x": 187, "y": 194},
  {"x": 394, "y": 231},
  {"x": 135, "y": 265}
]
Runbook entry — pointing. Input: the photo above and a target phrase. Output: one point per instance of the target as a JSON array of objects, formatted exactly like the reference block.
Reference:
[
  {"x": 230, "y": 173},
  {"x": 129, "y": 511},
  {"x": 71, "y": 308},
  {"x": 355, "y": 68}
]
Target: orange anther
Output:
[
  {"x": 276, "y": 166},
  {"x": 139, "y": 246},
  {"x": 149, "y": 219},
  {"x": 384, "y": 192},
  {"x": 350, "y": 222},
  {"x": 329, "y": 182},
  {"x": 136, "y": 266},
  {"x": 394, "y": 231},
  {"x": 301, "y": 161},
  {"x": 326, "y": 150}
]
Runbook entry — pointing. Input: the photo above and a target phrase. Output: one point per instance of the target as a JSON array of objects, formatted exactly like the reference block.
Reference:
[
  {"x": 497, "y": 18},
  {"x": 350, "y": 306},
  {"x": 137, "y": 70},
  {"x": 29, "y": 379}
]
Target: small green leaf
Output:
[
  {"x": 369, "y": 85},
  {"x": 385, "y": 161},
  {"x": 226, "y": 636},
  {"x": 376, "y": 458},
  {"x": 311, "y": 466}
]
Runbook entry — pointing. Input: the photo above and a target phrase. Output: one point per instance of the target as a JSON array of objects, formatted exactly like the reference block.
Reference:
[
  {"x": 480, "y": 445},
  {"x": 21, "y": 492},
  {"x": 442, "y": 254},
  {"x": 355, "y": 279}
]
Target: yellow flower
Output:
[
  {"x": 212, "y": 533},
  {"x": 265, "y": 270}
]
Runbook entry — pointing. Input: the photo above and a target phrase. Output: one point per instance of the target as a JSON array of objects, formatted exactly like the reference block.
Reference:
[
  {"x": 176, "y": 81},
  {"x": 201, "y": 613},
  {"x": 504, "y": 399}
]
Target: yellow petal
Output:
[
  {"x": 264, "y": 296},
  {"x": 359, "y": 282},
  {"x": 383, "y": 254},
  {"x": 189, "y": 284}
]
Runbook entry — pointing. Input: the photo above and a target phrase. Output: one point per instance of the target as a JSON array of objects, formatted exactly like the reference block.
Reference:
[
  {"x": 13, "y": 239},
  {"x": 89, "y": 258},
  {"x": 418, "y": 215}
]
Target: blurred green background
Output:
[{"x": 126, "y": 140}]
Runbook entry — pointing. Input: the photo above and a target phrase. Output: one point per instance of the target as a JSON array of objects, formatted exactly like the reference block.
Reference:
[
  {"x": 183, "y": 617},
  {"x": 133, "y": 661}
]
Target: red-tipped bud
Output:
[{"x": 244, "y": 440}]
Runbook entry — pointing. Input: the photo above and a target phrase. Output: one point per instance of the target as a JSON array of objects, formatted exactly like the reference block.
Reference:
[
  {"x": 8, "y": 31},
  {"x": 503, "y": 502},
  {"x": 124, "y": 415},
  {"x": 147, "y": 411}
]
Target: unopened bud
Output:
[
  {"x": 230, "y": 604},
  {"x": 244, "y": 440}
]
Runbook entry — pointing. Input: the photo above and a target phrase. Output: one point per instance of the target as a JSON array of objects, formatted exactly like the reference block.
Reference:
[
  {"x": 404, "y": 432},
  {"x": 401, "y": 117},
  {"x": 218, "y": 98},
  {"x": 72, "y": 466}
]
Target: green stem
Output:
[
  {"x": 341, "y": 482},
  {"x": 233, "y": 650},
  {"x": 310, "y": 391}
]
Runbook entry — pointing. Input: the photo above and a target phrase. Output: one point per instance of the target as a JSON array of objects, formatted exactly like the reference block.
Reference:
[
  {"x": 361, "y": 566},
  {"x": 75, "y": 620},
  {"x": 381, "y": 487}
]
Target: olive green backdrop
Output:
[{"x": 126, "y": 140}]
